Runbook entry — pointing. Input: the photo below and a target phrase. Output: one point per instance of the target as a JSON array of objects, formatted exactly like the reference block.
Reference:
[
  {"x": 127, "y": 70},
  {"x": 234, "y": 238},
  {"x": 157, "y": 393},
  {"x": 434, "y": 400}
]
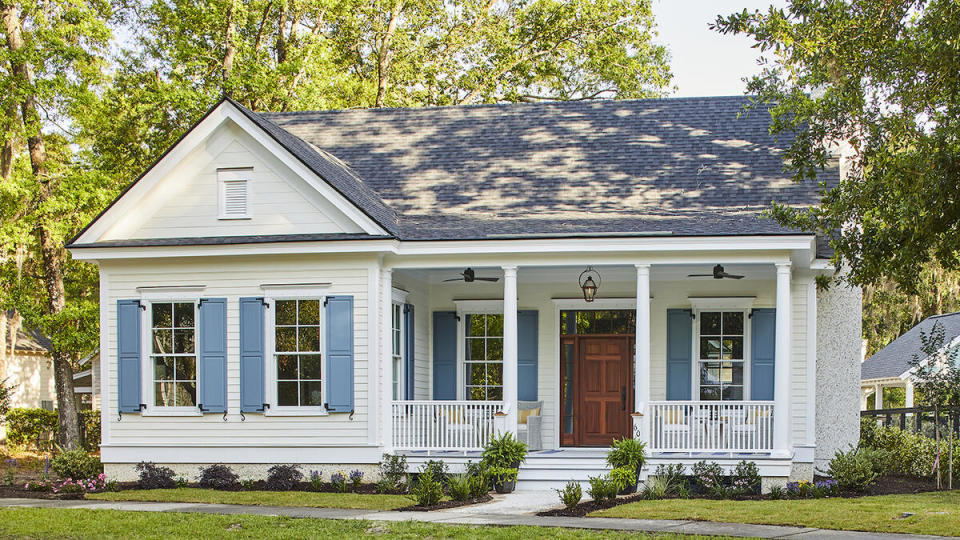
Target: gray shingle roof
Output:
[
  {"x": 681, "y": 166},
  {"x": 894, "y": 359}
]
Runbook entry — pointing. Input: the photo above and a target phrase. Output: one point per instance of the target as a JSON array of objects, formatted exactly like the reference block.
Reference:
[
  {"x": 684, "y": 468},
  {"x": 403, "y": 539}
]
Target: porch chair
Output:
[
  {"x": 741, "y": 424},
  {"x": 674, "y": 427},
  {"x": 529, "y": 422}
]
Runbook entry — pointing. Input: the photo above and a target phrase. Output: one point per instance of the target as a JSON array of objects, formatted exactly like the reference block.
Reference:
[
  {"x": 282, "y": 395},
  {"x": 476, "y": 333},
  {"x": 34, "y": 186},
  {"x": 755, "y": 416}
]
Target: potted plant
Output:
[
  {"x": 504, "y": 451},
  {"x": 627, "y": 453},
  {"x": 504, "y": 479}
]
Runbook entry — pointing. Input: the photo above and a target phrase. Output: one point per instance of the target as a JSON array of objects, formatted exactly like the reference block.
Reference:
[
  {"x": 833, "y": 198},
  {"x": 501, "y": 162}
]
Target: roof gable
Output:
[{"x": 894, "y": 359}]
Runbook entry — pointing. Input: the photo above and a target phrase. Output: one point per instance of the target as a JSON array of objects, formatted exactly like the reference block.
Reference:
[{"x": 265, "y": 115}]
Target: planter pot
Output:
[
  {"x": 504, "y": 486},
  {"x": 632, "y": 488}
]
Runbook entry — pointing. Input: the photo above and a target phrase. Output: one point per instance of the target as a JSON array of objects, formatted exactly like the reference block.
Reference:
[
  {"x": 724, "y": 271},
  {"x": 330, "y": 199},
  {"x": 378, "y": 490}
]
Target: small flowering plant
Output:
[
  {"x": 315, "y": 480},
  {"x": 339, "y": 481},
  {"x": 356, "y": 477},
  {"x": 87, "y": 485},
  {"x": 805, "y": 489},
  {"x": 825, "y": 488}
]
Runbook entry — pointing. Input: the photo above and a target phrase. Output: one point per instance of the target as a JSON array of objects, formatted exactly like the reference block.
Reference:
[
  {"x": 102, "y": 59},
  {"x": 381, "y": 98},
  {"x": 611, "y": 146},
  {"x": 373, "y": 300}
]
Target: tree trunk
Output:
[
  {"x": 51, "y": 254},
  {"x": 6, "y": 151},
  {"x": 231, "y": 49},
  {"x": 385, "y": 55}
]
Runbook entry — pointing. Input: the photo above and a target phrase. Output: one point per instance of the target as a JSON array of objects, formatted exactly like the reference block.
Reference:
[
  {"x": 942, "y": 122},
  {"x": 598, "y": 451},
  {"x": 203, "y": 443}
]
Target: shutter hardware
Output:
[{"x": 142, "y": 407}]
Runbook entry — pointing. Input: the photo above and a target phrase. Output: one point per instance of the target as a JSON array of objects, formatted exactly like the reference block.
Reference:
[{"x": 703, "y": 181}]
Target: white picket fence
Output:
[
  {"x": 443, "y": 425},
  {"x": 697, "y": 426}
]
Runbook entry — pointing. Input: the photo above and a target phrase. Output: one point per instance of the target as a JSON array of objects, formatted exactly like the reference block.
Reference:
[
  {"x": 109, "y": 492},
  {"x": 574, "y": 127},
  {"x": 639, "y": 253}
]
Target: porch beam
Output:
[
  {"x": 563, "y": 259},
  {"x": 386, "y": 357},
  {"x": 510, "y": 346},
  {"x": 781, "y": 387},
  {"x": 641, "y": 370}
]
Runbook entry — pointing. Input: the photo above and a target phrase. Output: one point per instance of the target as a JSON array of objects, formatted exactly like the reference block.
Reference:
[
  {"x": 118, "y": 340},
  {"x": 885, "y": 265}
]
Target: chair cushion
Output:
[{"x": 523, "y": 414}]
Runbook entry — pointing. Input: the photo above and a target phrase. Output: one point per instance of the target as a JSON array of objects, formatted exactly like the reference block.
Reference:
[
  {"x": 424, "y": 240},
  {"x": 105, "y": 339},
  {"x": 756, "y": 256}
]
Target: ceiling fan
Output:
[
  {"x": 718, "y": 273},
  {"x": 469, "y": 276}
]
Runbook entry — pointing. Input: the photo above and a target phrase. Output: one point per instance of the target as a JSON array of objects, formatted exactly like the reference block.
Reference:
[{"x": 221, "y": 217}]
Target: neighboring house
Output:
[
  {"x": 891, "y": 366},
  {"x": 323, "y": 287}
]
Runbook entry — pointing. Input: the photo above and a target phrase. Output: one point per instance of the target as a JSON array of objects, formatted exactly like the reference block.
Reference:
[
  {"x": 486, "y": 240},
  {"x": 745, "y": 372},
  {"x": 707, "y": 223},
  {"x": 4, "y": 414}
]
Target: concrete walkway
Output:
[{"x": 480, "y": 515}]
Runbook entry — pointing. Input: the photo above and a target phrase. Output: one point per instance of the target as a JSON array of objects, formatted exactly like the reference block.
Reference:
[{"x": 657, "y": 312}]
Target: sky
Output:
[{"x": 705, "y": 62}]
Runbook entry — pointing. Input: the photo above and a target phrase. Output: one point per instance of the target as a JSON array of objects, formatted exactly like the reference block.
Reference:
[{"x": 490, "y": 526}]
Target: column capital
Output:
[
  {"x": 642, "y": 267},
  {"x": 783, "y": 267},
  {"x": 510, "y": 270}
]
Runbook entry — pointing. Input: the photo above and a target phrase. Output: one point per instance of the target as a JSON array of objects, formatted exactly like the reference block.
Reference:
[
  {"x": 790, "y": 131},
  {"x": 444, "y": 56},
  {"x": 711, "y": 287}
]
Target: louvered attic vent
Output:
[{"x": 234, "y": 193}]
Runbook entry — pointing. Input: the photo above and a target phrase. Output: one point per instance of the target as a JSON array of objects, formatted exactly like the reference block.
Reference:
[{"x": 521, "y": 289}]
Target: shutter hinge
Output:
[
  {"x": 200, "y": 406},
  {"x": 750, "y": 315},
  {"x": 326, "y": 299},
  {"x": 457, "y": 317},
  {"x": 264, "y": 303},
  {"x": 692, "y": 314},
  {"x": 225, "y": 411},
  {"x": 141, "y": 305},
  {"x": 142, "y": 407},
  {"x": 201, "y": 301},
  {"x": 406, "y": 308}
]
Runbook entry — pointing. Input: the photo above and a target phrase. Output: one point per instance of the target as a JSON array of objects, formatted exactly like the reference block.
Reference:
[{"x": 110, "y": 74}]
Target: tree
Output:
[
  {"x": 52, "y": 55},
  {"x": 882, "y": 79},
  {"x": 320, "y": 54}
]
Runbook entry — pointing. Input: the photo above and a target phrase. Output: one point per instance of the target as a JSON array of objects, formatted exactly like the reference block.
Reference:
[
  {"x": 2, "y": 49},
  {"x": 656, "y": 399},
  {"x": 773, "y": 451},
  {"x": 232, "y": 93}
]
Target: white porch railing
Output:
[
  {"x": 443, "y": 425},
  {"x": 696, "y": 426}
]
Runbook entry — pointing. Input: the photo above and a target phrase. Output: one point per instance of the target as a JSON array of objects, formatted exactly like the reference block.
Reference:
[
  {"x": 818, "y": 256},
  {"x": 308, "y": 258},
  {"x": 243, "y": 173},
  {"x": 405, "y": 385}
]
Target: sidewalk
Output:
[{"x": 502, "y": 511}]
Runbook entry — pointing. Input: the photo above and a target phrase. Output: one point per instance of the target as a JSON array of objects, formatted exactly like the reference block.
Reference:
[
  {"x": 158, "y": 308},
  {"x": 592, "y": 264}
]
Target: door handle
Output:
[{"x": 623, "y": 398}]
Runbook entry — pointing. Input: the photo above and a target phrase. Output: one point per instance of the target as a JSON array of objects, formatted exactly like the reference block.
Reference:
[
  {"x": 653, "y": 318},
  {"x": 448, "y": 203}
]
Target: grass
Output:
[
  {"x": 96, "y": 524},
  {"x": 935, "y": 512},
  {"x": 260, "y": 498}
]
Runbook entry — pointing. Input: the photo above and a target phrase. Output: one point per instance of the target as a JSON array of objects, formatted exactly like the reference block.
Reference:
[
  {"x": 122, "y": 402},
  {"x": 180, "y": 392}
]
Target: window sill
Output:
[
  {"x": 234, "y": 218},
  {"x": 295, "y": 412},
  {"x": 172, "y": 412}
]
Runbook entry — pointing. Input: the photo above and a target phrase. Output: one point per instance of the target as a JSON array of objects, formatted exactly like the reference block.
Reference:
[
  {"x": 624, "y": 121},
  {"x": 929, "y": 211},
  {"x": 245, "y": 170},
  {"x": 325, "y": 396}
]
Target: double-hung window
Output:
[
  {"x": 297, "y": 352},
  {"x": 173, "y": 356},
  {"x": 483, "y": 356},
  {"x": 721, "y": 355},
  {"x": 396, "y": 349}
]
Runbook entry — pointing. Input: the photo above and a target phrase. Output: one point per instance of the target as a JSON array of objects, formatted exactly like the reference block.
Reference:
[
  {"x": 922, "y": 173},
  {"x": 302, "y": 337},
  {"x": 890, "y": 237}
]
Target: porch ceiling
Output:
[{"x": 610, "y": 273}]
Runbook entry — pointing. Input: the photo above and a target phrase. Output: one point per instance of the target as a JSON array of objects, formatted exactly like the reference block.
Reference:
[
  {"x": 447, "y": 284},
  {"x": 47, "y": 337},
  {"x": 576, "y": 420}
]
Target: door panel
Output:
[{"x": 603, "y": 374}]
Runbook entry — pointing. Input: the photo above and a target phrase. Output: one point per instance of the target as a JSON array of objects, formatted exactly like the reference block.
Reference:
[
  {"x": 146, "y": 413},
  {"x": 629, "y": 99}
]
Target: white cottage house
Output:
[{"x": 325, "y": 287}]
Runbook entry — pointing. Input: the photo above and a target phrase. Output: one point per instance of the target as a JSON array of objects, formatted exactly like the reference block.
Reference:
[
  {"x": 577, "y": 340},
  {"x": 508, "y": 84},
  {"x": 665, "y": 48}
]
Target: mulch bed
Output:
[
  {"x": 17, "y": 492},
  {"x": 447, "y": 504},
  {"x": 887, "y": 485}
]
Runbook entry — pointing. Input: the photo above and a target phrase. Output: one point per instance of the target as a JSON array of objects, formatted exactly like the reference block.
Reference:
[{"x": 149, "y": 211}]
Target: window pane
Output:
[
  {"x": 286, "y": 312},
  {"x": 476, "y": 393},
  {"x": 308, "y": 312},
  {"x": 286, "y": 338},
  {"x": 310, "y": 366},
  {"x": 163, "y": 368},
  {"x": 710, "y": 348},
  {"x": 186, "y": 395},
  {"x": 495, "y": 374},
  {"x": 183, "y": 341},
  {"x": 495, "y": 393},
  {"x": 287, "y": 394},
  {"x": 162, "y": 315},
  {"x": 183, "y": 314},
  {"x": 710, "y": 323},
  {"x": 309, "y": 339},
  {"x": 163, "y": 341},
  {"x": 286, "y": 366},
  {"x": 733, "y": 322},
  {"x": 163, "y": 394},
  {"x": 495, "y": 349},
  {"x": 709, "y": 373},
  {"x": 585, "y": 321},
  {"x": 494, "y": 325},
  {"x": 310, "y": 394},
  {"x": 709, "y": 393},
  {"x": 736, "y": 351},
  {"x": 733, "y": 393},
  {"x": 474, "y": 326},
  {"x": 475, "y": 349},
  {"x": 186, "y": 368},
  {"x": 476, "y": 374},
  {"x": 737, "y": 373}
]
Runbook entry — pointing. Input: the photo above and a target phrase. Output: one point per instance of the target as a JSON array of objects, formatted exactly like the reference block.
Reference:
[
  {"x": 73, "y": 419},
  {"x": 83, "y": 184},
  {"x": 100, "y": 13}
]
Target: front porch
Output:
[{"x": 697, "y": 368}]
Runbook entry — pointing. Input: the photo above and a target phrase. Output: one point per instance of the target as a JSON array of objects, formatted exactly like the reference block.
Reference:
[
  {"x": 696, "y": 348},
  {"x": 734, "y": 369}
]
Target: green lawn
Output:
[
  {"x": 935, "y": 513},
  {"x": 260, "y": 498},
  {"x": 96, "y": 524}
]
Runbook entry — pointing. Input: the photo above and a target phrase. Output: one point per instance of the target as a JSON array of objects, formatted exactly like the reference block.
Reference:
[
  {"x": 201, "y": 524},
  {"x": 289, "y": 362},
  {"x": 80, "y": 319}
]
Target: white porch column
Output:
[
  {"x": 510, "y": 346},
  {"x": 781, "y": 385},
  {"x": 641, "y": 369},
  {"x": 908, "y": 392},
  {"x": 878, "y": 397},
  {"x": 386, "y": 357}
]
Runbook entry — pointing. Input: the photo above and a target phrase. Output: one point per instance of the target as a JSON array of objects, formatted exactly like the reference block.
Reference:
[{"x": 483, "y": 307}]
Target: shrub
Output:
[
  {"x": 479, "y": 483},
  {"x": 249, "y": 484},
  {"x": 458, "y": 487},
  {"x": 571, "y": 494},
  {"x": 218, "y": 476},
  {"x": 428, "y": 490},
  {"x": 601, "y": 489},
  {"x": 504, "y": 451},
  {"x": 6, "y": 396},
  {"x": 76, "y": 464},
  {"x": 90, "y": 427},
  {"x": 339, "y": 481},
  {"x": 656, "y": 487},
  {"x": 31, "y": 427},
  {"x": 879, "y": 459},
  {"x": 182, "y": 482},
  {"x": 356, "y": 478},
  {"x": 623, "y": 477},
  {"x": 154, "y": 477},
  {"x": 283, "y": 477},
  {"x": 852, "y": 470},
  {"x": 746, "y": 478},
  {"x": 673, "y": 475},
  {"x": 776, "y": 492},
  {"x": 316, "y": 481},
  {"x": 437, "y": 468},
  {"x": 627, "y": 452},
  {"x": 709, "y": 478},
  {"x": 393, "y": 473}
]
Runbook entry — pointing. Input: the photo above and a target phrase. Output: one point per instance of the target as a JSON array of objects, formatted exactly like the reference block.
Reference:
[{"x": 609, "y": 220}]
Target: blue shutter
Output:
[
  {"x": 527, "y": 338},
  {"x": 679, "y": 354},
  {"x": 339, "y": 337},
  {"x": 444, "y": 355},
  {"x": 252, "y": 352},
  {"x": 763, "y": 339},
  {"x": 128, "y": 355},
  {"x": 212, "y": 358},
  {"x": 409, "y": 351}
]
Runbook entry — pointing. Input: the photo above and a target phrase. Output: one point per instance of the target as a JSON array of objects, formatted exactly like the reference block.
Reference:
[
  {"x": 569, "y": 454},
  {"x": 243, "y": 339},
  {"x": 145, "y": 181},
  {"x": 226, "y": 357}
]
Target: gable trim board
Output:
[{"x": 216, "y": 117}]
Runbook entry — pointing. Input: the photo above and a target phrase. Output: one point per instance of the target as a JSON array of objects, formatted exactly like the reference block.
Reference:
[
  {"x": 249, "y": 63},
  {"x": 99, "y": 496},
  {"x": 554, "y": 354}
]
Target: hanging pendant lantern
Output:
[{"x": 588, "y": 284}]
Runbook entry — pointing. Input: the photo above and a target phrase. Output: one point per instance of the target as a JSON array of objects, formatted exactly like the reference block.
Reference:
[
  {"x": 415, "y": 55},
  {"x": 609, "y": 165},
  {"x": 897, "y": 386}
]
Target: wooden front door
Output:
[{"x": 604, "y": 389}]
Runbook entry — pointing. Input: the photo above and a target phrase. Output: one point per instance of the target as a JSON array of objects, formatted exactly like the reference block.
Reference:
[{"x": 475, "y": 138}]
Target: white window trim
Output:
[
  {"x": 464, "y": 308},
  {"x": 721, "y": 303},
  {"x": 747, "y": 343},
  {"x": 402, "y": 353},
  {"x": 270, "y": 360},
  {"x": 233, "y": 175},
  {"x": 147, "y": 391}
]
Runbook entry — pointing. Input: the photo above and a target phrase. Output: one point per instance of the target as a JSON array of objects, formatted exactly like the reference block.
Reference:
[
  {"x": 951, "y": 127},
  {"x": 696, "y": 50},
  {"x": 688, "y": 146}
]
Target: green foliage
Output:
[
  {"x": 623, "y": 477},
  {"x": 671, "y": 477},
  {"x": 479, "y": 477},
  {"x": 500, "y": 475},
  {"x": 776, "y": 492},
  {"x": 437, "y": 469},
  {"x": 853, "y": 470},
  {"x": 76, "y": 464},
  {"x": 709, "y": 478},
  {"x": 602, "y": 488},
  {"x": 935, "y": 369},
  {"x": 627, "y": 452},
  {"x": 908, "y": 453},
  {"x": 393, "y": 474},
  {"x": 458, "y": 487},
  {"x": 746, "y": 478},
  {"x": 31, "y": 427},
  {"x": 657, "y": 487},
  {"x": 91, "y": 429},
  {"x": 6, "y": 395},
  {"x": 878, "y": 76},
  {"x": 570, "y": 495},
  {"x": 428, "y": 490},
  {"x": 504, "y": 451}
]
